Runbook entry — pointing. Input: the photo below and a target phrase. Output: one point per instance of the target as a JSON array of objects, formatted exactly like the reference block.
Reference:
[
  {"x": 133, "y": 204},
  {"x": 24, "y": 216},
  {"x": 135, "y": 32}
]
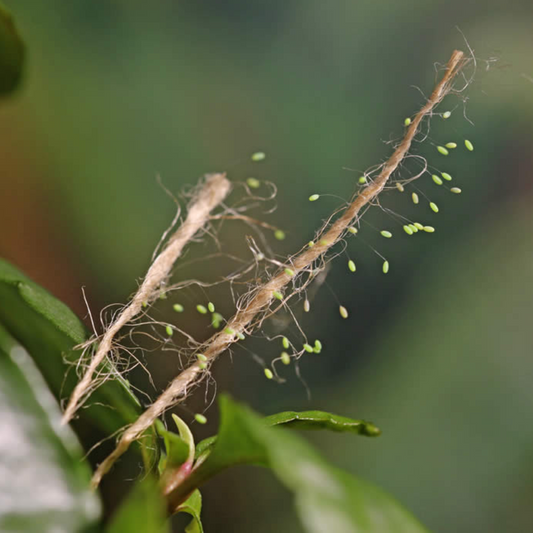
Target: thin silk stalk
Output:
[
  {"x": 262, "y": 297},
  {"x": 211, "y": 193}
]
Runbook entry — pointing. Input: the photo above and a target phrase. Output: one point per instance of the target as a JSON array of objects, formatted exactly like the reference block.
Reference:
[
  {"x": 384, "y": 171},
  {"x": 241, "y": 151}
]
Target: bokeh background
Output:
[{"x": 438, "y": 353}]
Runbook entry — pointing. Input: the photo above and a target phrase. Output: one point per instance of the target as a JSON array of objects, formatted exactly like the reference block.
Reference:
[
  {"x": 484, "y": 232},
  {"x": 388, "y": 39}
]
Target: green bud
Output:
[
  {"x": 201, "y": 309},
  {"x": 429, "y": 229},
  {"x": 343, "y": 311},
  {"x": 451, "y": 145},
  {"x": 436, "y": 179},
  {"x": 434, "y": 207},
  {"x": 253, "y": 183},
  {"x": 307, "y": 306},
  {"x": 446, "y": 114},
  {"x": 414, "y": 197},
  {"x": 318, "y": 347},
  {"x": 285, "y": 343},
  {"x": 268, "y": 373},
  {"x": 407, "y": 121},
  {"x": 386, "y": 234},
  {"x": 289, "y": 272},
  {"x": 442, "y": 150},
  {"x": 310, "y": 244},
  {"x": 352, "y": 230},
  {"x": 279, "y": 234},
  {"x": 399, "y": 186},
  {"x": 308, "y": 348},
  {"x": 408, "y": 230},
  {"x": 446, "y": 176},
  {"x": 419, "y": 226},
  {"x": 414, "y": 228},
  {"x": 211, "y": 307},
  {"x": 169, "y": 331},
  {"x": 178, "y": 308},
  {"x": 277, "y": 295},
  {"x": 455, "y": 190},
  {"x": 314, "y": 197},
  {"x": 385, "y": 267},
  {"x": 258, "y": 156},
  {"x": 469, "y": 146},
  {"x": 363, "y": 180},
  {"x": 285, "y": 358},
  {"x": 201, "y": 357},
  {"x": 351, "y": 266}
]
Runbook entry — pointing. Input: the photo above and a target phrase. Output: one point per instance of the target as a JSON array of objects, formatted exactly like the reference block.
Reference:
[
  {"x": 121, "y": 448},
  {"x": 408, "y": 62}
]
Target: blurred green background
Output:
[{"x": 438, "y": 353}]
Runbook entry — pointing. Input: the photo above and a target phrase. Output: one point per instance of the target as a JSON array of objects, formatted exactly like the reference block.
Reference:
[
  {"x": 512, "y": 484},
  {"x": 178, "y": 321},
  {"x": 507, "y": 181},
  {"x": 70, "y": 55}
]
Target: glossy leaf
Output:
[
  {"x": 12, "y": 52},
  {"x": 326, "y": 498},
  {"x": 176, "y": 449},
  {"x": 44, "y": 481},
  {"x": 322, "y": 420},
  {"x": 205, "y": 445},
  {"x": 308, "y": 420},
  {"x": 143, "y": 511},
  {"x": 193, "y": 506},
  {"x": 49, "y": 330}
]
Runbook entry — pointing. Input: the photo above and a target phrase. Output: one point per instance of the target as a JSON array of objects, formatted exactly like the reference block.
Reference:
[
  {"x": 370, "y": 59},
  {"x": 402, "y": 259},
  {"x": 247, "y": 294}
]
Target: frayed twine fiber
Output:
[
  {"x": 211, "y": 192},
  {"x": 261, "y": 297}
]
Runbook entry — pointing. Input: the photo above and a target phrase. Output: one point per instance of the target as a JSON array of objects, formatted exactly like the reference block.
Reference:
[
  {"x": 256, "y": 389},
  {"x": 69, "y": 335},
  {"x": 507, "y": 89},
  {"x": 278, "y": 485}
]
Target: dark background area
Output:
[{"x": 438, "y": 353}]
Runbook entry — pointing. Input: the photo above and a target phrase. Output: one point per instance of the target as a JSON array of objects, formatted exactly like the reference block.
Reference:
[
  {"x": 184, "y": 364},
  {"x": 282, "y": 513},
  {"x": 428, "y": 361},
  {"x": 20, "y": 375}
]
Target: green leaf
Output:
[
  {"x": 12, "y": 53},
  {"x": 193, "y": 506},
  {"x": 176, "y": 449},
  {"x": 49, "y": 330},
  {"x": 205, "y": 445},
  {"x": 143, "y": 511},
  {"x": 326, "y": 499},
  {"x": 185, "y": 435},
  {"x": 322, "y": 420},
  {"x": 44, "y": 481},
  {"x": 309, "y": 420}
]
